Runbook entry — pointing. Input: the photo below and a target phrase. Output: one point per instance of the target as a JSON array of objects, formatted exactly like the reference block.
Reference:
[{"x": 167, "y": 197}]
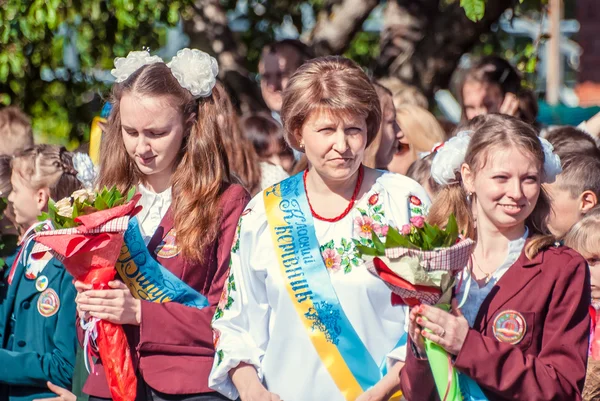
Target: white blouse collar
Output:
[{"x": 149, "y": 197}]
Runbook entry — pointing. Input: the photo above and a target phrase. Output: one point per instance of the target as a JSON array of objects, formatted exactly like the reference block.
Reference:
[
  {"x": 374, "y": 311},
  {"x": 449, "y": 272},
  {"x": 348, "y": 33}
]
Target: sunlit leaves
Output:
[
  {"x": 50, "y": 51},
  {"x": 474, "y": 9}
]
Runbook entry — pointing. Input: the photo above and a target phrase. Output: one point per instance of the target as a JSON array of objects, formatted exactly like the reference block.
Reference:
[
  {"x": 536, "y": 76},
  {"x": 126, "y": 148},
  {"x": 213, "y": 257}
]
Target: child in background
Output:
[
  {"x": 15, "y": 131},
  {"x": 574, "y": 193},
  {"x": 37, "y": 308},
  {"x": 9, "y": 234},
  {"x": 15, "y": 135},
  {"x": 420, "y": 171},
  {"x": 381, "y": 150},
  {"x": 276, "y": 157},
  {"x": 568, "y": 140},
  {"x": 584, "y": 237}
]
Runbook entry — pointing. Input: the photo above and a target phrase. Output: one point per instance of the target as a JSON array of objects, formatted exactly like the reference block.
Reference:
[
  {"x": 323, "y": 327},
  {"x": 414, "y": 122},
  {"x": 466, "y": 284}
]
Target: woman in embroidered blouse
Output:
[
  {"x": 522, "y": 330},
  {"x": 264, "y": 350},
  {"x": 163, "y": 136}
]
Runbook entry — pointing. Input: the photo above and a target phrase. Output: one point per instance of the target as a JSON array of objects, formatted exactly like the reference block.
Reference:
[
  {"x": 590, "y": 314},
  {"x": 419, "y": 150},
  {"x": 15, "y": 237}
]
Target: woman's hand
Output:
[
  {"x": 510, "y": 105},
  {"x": 258, "y": 392},
  {"x": 116, "y": 305},
  {"x": 62, "y": 394},
  {"x": 445, "y": 329},
  {"x": 245, "y": 379},
  {"x": 414, "y": 330},
  {"x": 386, "y": 387}
]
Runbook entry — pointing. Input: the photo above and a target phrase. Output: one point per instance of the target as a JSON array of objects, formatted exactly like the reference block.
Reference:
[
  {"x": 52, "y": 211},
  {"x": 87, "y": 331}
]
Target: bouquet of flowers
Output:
[
  {"x": 96, "y": 236},
  {"x": 87, "y": 236},
  {"x": 419, "y": 264}
]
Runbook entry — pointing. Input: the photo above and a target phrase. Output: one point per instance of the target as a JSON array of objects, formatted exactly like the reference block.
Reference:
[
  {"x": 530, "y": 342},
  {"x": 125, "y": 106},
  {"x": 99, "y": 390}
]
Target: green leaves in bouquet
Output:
[
  {"x": 131, "y": 194},
  {"x": 426, "y": 237},
  {"x": 84, "y": 204},
  {"x": 106, "y": 199},
  {"x": 394, "y": 239},
  {"x": 451, "y": 232},
  {"x": 109, "y": 198}
]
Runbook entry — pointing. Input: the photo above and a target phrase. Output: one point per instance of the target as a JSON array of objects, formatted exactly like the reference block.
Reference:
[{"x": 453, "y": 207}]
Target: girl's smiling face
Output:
[{"x": 507, "y": 186}]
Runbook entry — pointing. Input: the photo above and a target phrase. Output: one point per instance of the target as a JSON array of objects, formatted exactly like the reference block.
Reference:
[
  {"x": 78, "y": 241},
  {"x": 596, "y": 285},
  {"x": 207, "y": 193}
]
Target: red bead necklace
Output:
[{"x": 350, "y": 205}]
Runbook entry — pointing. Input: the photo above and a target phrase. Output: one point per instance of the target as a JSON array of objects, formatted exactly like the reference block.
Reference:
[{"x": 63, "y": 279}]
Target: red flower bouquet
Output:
[{"x": 87, "y": 238}]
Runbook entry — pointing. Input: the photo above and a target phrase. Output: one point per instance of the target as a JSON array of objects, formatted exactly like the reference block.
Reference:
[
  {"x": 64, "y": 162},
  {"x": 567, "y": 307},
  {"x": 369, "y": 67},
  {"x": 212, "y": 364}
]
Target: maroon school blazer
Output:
[
  {"x": 173, "y": 348},
  {"x": 552, "y": 294}
]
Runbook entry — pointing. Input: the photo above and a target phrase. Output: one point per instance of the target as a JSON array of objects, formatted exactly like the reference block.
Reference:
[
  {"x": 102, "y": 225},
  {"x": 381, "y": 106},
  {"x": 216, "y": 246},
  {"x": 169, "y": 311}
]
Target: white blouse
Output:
[
  {"x": 154, "y": 208},
  {"x": 257, "y": 323},
  {"x": 476, "y": 294}
]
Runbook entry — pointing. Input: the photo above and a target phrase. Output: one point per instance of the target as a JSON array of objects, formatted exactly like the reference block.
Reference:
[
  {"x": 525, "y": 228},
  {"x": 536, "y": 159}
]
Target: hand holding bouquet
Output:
[
  {"x": 87, "y": 236},
  {"x": 420, "y": 264}
]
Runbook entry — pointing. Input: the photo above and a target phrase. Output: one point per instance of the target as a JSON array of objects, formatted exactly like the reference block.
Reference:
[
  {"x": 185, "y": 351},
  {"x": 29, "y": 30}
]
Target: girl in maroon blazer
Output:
[
  {"x": 163, "y": 137},
  {"x": 521, "y": 332}
]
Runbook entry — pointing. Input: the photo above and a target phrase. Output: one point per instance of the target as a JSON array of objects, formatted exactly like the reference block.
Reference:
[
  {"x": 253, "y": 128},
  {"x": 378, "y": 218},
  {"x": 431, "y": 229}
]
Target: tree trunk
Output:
[
  {"x": 421, "y": 43},
  {"x": 208, "y": 30},
  {"x": 338, "y": 23}
]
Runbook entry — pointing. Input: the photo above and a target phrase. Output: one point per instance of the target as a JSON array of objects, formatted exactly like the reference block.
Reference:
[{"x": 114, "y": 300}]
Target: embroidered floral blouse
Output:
[{"x": 256, "y": 322}]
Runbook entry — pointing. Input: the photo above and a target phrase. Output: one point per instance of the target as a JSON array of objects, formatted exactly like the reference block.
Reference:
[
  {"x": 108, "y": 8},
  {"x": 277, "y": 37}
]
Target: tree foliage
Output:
[{"x": 54, "y": 55}]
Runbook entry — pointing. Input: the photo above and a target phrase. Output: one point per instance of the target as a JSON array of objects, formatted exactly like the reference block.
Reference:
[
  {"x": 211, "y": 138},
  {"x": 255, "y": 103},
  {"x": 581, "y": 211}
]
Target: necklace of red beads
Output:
[{"x": 350, "y": 205}]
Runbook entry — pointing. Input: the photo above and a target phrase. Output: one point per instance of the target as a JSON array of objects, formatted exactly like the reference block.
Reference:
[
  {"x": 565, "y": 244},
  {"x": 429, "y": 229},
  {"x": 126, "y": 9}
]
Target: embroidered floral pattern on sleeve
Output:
[
  {"x": 226, "y": 300},
  {"x": 216, "y": 338},
  {"x": 343, "y": 255},
  {"x": 416, "y": 207}
]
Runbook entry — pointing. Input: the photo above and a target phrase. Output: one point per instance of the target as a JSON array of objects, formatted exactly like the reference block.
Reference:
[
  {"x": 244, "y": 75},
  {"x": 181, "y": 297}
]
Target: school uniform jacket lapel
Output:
[
  {"x": 166, "y": 224},
  {"x": 510, "y": 284}
]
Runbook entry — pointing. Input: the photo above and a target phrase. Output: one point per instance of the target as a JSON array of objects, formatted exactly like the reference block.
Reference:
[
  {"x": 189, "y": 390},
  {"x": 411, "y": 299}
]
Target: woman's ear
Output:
[
  {"x": 468, "y": 178},
  {"x": 42, "y": 198}
]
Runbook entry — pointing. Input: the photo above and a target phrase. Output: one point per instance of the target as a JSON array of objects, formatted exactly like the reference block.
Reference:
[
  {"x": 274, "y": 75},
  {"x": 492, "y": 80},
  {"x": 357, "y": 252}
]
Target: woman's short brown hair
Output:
[{"x": 333, "y": 83}]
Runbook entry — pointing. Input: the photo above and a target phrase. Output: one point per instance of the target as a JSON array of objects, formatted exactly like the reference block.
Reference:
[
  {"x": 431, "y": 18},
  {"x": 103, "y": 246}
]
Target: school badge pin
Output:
[
  {"x": 48, "y": 303},
  {"x": 168, "y": 247},
  {"x": 509, "y": 327},
  {"x": 41, "y": 283}
]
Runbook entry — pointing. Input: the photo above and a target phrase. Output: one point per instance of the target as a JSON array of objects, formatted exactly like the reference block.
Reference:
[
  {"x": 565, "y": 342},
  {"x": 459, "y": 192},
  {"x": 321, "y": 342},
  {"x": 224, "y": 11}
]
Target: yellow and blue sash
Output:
[
  {"x": 149, "y": 280},
  {"x": 307, "y": 281}
]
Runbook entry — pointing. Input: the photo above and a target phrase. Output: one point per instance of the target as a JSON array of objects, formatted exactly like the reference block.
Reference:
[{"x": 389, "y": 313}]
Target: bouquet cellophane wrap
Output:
[
  {"x": 89, "y": 253},
  {"x": 398, "y": 267}
]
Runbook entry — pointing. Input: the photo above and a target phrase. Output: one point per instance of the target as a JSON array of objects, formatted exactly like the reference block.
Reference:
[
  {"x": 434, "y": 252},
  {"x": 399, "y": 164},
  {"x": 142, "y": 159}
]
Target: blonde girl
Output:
[
  {"x": 522, "y": 299},
  {"x": 584, "y": 237},
  {"x": 37, "y": 311}
]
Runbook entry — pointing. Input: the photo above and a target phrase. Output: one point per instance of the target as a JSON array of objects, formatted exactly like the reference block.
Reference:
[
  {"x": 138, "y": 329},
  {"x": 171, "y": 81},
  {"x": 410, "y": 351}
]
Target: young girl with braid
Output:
[{"x": 37, "y": 309}]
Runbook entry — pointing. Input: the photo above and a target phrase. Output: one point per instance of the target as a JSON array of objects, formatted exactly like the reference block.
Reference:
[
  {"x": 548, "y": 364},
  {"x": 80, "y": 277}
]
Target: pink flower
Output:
[
  {"x": 406, "y": 229},
  {"x": 383, "y": 230},
  {"x": 332, "y": 259},
  {"x": 417, "y": 221},
  {"x": 364, "y": 226}
]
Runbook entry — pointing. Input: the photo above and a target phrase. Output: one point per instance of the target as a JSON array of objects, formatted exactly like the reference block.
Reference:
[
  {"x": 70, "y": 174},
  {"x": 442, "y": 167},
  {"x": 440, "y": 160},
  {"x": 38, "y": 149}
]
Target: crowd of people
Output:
[{"x": 263, "y": 215}]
